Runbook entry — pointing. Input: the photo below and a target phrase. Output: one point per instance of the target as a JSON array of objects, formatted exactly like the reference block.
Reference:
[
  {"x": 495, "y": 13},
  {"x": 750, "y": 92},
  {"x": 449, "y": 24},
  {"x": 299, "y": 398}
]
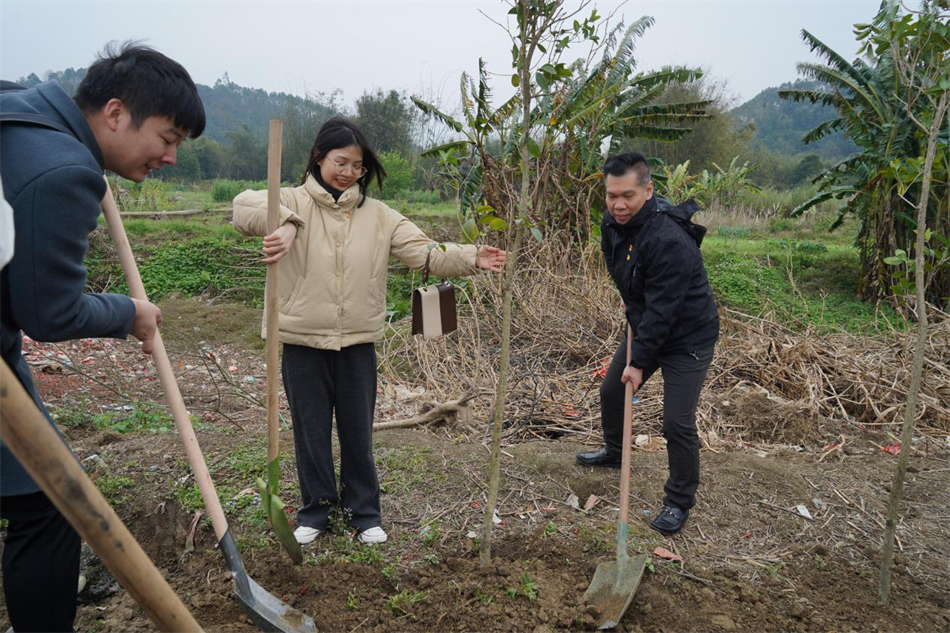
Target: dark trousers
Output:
[
  {"x": 40, "y": 564},
  {"x": 320, "y": 383},
  {"x": 683, "y": 376}
]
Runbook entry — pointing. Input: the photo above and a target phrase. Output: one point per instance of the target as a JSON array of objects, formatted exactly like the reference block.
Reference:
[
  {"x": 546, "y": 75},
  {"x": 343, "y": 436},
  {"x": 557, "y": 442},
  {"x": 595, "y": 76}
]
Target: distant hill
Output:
[
  {"x": 780, "y": 124},
  {"x": 228, "y": 106}
]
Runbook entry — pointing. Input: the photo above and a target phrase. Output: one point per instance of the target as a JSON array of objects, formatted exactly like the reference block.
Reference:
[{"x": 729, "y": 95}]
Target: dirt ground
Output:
[{"x": 751, "y": 560}]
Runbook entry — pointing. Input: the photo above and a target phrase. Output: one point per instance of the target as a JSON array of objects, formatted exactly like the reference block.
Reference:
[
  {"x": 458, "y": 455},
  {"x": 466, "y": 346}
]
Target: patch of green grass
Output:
[
  {"x": 351, "y": 601},
  {"x": 217, "y": 262},
  {"x": 483, "y": 597},
  {"x": 159, "y": 231},
  {"x": 597, "y": 540},
  {"x": 247, "y": 509},
  {"x": 400, "y": 603},
  {"x": 114, "y": 489},
  {"x": 98, "y": 625},
  {"x": 249, "y": 460},
  {"x": 343, "y": 549},
  {"x": 526, "y": 588},
  {"x": 431, "y": 533},
  {"x": 188, "y": 496},
  {"x": 251, "y": 540},
  {"x": 405, "y": 469},
  {"x": 72, "y": 415},
  {"x": 727, "y": 231},
  {"x": 807, "y": 283},
  {"x": 425, "y": 207},
  {"x": 138, "y": 417},
  {"x": 356, "y": 552},
  {"x": 208, "y": 265}
]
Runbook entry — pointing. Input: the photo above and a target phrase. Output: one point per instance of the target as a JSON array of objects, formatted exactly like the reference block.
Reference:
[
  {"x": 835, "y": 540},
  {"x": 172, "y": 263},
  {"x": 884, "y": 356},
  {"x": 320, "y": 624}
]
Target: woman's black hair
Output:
[
  {"x": 147, "y": 82},
  {"x": 339, "y": 132}
]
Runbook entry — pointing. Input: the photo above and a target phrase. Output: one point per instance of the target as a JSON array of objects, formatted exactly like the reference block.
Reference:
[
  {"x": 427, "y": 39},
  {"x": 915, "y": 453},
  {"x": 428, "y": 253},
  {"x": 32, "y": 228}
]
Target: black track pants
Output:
[
  {"x": 40, "y": 564},
  {"x": 320, "y": 383},
  {"x": 683, "y": 376}
]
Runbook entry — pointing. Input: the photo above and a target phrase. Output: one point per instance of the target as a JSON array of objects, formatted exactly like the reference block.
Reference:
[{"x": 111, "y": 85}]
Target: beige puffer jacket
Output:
[{"x": 332, "y": 283}]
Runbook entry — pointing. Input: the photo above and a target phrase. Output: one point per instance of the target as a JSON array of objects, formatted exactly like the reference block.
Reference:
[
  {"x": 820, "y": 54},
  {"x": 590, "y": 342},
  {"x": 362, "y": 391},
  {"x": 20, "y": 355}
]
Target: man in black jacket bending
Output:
[{"x": 652, "y": 253}]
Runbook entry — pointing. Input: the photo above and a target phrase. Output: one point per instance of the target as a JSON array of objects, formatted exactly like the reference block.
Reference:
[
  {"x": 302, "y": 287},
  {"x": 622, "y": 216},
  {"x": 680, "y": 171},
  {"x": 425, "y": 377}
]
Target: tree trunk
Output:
[
  {"x": 494, "y": 468},
  {"x": 524, "y": 204},
  {"x": 907, "y": 434}
]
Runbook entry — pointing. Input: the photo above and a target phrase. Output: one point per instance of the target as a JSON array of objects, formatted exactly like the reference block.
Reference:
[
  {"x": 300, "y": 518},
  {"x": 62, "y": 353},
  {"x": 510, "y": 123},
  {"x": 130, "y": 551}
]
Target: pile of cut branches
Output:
[{"x": 768, "y": 382}]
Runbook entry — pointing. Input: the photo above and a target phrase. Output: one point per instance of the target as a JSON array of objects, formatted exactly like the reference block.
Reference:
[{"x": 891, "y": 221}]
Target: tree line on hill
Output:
[{"x": 766, "y": 131}]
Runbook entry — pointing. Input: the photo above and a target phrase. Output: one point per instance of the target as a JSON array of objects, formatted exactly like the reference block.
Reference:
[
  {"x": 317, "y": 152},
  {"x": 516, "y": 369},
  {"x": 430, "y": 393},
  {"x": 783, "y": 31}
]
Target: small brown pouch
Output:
[{"x": 433, "y": 307}]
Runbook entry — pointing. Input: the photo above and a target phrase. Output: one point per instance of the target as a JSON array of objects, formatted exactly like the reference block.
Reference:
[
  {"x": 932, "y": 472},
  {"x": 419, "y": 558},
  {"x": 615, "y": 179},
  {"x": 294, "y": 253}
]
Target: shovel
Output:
[
  {"x": 614, "y": 584},
  {"x": 272, "y": 504},
  {"x": 265, "y": 610}
]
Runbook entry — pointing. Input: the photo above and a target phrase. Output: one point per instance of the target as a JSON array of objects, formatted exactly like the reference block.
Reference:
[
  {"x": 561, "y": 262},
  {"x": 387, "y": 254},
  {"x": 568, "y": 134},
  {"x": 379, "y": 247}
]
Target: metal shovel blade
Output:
[
  {"x": 265, "y": 610},
  {"x": 274, "y": 508},
  {"x": 282, "y": 530},
  {"x": 613, "y": 587}
]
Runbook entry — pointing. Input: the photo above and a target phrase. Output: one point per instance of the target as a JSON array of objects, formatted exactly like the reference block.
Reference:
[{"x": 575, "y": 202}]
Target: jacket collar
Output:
[
  {"x": 348, "y": 199},
  {"x": 70, "y": 114}
]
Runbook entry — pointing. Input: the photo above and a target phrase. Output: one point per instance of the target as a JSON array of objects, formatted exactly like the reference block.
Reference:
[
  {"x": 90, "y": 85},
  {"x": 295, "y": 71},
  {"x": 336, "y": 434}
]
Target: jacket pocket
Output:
[
  {"x": 378, "y": 295},
  {"x": 635, "y": 281},
  {"x": 288, "y": 305}
]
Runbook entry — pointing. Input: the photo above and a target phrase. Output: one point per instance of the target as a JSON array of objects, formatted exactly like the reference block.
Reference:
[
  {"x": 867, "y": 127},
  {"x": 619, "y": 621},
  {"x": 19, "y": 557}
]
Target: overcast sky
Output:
[{"x": 417, "y": 46}]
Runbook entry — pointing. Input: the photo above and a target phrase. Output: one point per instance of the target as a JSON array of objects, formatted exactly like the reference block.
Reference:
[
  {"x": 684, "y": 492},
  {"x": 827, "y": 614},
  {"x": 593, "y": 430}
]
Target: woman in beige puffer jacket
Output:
[{"x": 334, "y": 243}]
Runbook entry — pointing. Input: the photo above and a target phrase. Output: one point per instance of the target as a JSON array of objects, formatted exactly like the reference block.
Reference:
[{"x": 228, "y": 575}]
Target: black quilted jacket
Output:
[{"x": 655, "y": 261}]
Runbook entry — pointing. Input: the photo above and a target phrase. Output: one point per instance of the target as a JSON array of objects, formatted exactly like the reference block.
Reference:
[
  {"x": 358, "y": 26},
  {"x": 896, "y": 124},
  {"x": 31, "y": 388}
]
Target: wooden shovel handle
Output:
[
  {"x": 627, "y": 437},
  {"x": 45, "y": 456},
  {"x": 165, "y": 373},
  {"x": 273, "y": 219}
]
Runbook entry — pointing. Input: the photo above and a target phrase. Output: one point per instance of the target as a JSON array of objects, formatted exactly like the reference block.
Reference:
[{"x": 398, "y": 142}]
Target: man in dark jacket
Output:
[
  {"x": 652, "y": 252},
  {"x": 130, "y": 114}
]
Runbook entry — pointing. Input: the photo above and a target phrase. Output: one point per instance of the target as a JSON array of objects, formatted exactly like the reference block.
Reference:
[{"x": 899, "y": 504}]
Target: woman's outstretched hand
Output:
[
  {"x": 278, "y": 243},
  {"x": 491, "y": 258}
]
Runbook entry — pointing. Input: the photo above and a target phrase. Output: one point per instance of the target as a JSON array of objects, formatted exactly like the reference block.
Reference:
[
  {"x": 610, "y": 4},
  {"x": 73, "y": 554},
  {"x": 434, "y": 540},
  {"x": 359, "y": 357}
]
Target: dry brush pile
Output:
[{"x": 767, "y": 382}]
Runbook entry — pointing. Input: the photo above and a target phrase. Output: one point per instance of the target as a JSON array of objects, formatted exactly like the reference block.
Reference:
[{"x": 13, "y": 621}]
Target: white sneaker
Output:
[
  {"x": 305, "y": 534},
  {"x": 373, "y": 535}
]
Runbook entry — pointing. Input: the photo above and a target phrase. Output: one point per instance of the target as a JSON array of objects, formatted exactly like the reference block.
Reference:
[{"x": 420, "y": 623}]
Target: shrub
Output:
[
  {"x": 398, "y": 172},
  {"x": 226, "y": 190}
]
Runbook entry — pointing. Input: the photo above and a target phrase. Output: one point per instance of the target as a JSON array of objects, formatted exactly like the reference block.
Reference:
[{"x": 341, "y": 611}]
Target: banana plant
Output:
[
  {"x": 869, "y": 97},
  {"x": 582, "y": 110}
]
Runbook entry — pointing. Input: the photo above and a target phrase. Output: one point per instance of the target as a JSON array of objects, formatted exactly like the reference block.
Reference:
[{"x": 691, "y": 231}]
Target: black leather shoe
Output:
[
  {"x": 670, "y": 521},
  {"x": 602, "y": 457}
]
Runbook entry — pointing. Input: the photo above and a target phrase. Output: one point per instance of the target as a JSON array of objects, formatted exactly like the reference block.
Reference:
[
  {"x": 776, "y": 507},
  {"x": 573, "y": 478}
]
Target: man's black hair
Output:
[
  {"x": 147, "y": 82},
  {"x": 623, "y": 164},
  {"x": 340, "y": 132}
]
